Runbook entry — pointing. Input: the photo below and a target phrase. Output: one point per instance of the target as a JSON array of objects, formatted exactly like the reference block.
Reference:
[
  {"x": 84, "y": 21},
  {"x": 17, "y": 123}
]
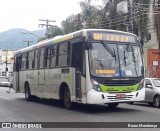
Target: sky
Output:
[{"x": 26, "y": 13}]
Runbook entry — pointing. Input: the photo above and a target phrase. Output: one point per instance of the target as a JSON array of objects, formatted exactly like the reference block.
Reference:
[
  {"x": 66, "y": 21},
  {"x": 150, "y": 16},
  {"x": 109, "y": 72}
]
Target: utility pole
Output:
[
  {"x": 28, "y": 41},
  {"x": 78, "y": 21},
  {"x": 6, "y": 63},
  {"x": 47, "y": 26},
  {"x": 131, "y": 17}
]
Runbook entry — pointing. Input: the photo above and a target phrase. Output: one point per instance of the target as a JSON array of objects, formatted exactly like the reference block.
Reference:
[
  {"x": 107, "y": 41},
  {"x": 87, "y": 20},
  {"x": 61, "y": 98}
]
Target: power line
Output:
[
  {"x": 28, "y": 42},
  {"x": 47, "y": 26}
]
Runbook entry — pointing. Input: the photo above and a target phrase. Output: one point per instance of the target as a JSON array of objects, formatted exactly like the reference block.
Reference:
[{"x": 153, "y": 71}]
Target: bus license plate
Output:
[{"x": 120, "y": 95}]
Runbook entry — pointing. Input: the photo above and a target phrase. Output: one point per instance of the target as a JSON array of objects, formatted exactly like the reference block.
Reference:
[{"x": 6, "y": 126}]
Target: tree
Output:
[
  {"x": 89, "y": 14},
  {"x": 141, "y": 16},
  {"x": 55, "y": 31},
  {"x": 157, "y": 20},
  {"x": 68, "y": 25}
]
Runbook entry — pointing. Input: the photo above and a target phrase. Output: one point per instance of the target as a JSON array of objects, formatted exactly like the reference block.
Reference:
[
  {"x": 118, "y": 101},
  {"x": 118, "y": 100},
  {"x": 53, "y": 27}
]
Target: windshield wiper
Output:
[
  {"x": 100, "y": 63},
  {"x": 125, "y": 57},
  {"x": 106, "y": 46}
]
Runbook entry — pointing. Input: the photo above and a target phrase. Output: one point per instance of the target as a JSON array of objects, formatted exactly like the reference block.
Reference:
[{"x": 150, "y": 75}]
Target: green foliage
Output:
[
  {"x": 55, "y": 31},
  {"x": 157, "y": 21},
  {"x": 90, "y": 14},
  {"x": 68, "y": 25}
]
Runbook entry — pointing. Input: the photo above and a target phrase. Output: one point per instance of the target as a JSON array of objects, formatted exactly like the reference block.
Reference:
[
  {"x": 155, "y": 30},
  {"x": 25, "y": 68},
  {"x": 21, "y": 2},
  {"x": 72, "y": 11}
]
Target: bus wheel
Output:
[
  {"x": 112, "y": 105},
  {"x": 67, "y": 99},
  {"x": 157, "y": 102},
  {"x": 27, "y": 93}
]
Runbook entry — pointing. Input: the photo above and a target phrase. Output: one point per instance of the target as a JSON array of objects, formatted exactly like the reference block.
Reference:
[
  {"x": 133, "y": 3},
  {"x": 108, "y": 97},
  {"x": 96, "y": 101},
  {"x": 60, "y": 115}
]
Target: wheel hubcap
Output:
[
  {"x": 157, "y": 102},
  {"x": 26, "y": 93}
]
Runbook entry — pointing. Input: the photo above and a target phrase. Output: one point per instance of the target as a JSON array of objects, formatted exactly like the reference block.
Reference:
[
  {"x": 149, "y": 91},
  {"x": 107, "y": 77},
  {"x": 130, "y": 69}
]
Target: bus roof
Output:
[{"x": 62, "y": 38}]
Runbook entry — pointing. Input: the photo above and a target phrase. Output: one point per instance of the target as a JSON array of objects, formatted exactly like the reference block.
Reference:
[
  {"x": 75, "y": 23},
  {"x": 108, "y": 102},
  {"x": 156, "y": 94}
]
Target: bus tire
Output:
[
  {"x": 67, "y": 99},
  {"x": 157, "y": 101},
  {"x": 28, "y": 96},
  {"x": 112, "y": 105}
]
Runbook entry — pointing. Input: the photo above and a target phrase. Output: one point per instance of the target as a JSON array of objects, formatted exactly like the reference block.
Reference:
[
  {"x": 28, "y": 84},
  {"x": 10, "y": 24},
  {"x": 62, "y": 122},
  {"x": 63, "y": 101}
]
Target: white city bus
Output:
[{"x": 90, "y": 66}]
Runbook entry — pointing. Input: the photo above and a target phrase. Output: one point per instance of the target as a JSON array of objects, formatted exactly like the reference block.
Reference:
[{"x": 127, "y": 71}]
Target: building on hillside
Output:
[{"x": 6, "y": 62}]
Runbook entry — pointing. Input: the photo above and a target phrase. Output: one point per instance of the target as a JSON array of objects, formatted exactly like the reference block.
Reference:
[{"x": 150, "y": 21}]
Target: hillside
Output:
[{"x": 13, "y": 38}]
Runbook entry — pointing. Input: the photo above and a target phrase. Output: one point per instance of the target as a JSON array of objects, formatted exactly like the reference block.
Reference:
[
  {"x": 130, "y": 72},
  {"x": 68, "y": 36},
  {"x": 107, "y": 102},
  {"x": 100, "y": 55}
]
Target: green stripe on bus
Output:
[{"x": 119, "y": 88}]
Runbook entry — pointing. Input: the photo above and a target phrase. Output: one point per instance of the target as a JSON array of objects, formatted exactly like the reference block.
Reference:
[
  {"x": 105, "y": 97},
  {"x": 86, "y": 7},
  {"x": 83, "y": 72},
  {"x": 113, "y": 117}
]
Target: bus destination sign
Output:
[{"x": 114, "y": 37}]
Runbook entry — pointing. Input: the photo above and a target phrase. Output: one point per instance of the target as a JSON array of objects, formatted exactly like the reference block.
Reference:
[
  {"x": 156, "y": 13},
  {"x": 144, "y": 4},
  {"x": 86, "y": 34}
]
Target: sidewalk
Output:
[
  {"x": 5, "y": 89},
  {"x": 10, "y": 96}
]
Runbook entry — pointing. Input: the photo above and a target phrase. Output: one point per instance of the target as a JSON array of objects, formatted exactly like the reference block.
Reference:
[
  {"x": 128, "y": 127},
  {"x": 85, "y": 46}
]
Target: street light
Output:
[{"x": 26, "y": 32}]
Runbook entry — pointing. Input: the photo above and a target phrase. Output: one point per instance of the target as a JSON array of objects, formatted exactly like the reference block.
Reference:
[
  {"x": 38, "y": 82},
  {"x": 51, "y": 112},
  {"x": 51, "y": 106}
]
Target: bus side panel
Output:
[
  {"x": 53, "y": 80},
  {"x": 51, "y": 83},
  {"x": 15, "y": 82},
  {"x": 40, "y": 78},
  {"x": 32, "y": 76},
  {"x": 22, "y": 79}
]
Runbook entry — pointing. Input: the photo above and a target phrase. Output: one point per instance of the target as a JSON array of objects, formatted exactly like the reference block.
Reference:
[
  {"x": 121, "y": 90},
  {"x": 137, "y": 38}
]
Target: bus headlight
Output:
[
  {"x": 96, "y": 85},
  {"x": 141, "y": 85}
]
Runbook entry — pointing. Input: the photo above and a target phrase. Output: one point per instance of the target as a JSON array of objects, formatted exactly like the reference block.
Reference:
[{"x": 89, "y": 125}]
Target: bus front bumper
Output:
[{"x": 94, "y": 97}]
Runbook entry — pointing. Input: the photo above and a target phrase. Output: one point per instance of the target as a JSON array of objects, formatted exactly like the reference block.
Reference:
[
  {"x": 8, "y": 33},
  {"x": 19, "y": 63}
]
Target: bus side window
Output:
[
  {"x": 31, "y": 60},
  {"x": 24, "y": 61},
  {"x": 27, "y": 62},
  {"x": 63, "y": 54},
  {"x": 17, "y": 63},
  {"x": 53, "y": 56},
  {"x": 41, "y": 59},
  {"x": 48, "y": 57},
  {"x": 36, "y": 59},
  {"x": 78, "y": 57}
]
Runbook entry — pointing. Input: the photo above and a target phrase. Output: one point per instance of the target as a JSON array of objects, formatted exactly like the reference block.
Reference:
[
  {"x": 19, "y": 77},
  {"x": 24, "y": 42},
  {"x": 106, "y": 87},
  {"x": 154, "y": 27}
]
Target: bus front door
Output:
[{"x": 77, "y": 62}]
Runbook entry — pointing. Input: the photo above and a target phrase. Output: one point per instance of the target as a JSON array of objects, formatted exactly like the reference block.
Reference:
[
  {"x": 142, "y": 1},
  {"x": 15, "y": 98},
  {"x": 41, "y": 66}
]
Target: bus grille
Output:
[
  {"x": 113, "y": 97},
  {"x": 121, "y": 83}
]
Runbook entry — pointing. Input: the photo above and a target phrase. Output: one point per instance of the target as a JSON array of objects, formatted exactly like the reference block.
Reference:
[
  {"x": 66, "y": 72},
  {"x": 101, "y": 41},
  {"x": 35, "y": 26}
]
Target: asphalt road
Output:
[{"x": 14, "y": 108}]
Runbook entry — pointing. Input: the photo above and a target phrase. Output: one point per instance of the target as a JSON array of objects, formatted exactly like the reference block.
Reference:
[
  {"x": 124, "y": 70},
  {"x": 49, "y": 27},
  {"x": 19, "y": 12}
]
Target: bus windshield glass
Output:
[{"x": 115, "y": 59}]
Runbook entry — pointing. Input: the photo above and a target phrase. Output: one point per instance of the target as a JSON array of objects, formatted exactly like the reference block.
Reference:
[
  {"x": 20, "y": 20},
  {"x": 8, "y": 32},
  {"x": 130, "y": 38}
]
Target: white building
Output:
[{"x": 6, "y": 61}]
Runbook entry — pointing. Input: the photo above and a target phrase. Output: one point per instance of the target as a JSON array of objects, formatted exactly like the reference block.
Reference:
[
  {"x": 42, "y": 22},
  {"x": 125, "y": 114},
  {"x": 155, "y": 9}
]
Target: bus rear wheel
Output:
[
  {"x": 112, "y": 105},
  {"x": 67, "y": 99},
  {"x": 28, "y": 96}
]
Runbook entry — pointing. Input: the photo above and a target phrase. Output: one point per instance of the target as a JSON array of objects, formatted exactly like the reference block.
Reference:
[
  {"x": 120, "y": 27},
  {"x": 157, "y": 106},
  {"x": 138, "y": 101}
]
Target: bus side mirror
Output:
[{"x": 88, "y": 46}]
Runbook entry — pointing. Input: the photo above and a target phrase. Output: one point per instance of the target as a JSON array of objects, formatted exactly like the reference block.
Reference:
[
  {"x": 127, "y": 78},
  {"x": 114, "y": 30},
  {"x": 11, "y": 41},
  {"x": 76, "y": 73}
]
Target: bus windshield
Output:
[{"x": 115, "y": 59}]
